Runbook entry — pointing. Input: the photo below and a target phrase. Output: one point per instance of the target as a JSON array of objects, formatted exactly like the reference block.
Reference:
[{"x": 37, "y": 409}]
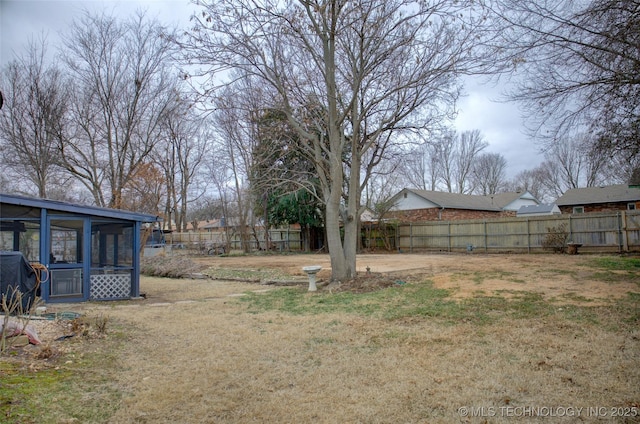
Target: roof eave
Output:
[{"x": 79, "y": 209}]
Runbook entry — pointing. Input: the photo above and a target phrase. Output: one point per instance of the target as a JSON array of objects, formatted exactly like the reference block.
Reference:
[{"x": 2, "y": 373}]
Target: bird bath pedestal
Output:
[{"x": 311, "y": 272}]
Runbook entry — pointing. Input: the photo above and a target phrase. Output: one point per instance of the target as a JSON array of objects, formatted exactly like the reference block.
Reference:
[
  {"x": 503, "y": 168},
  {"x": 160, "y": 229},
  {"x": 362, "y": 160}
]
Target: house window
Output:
[
  {"x": 578, "y": 209},
  {"x": 631, "y": 206}
]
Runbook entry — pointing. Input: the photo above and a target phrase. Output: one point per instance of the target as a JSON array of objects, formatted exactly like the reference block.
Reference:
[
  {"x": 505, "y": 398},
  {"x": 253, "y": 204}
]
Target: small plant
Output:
[
  {"x": 80, "y": 326},
  {"x": 101, "y": 322},
  {"x": 46, "y": 352},
  {"x": 556, "y": 239}
]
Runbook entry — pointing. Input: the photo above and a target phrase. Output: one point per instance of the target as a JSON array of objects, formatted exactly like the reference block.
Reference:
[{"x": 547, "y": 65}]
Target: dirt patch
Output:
[
  {"x": 563, "y": 278},
  {"x": 364, "y": 283}
]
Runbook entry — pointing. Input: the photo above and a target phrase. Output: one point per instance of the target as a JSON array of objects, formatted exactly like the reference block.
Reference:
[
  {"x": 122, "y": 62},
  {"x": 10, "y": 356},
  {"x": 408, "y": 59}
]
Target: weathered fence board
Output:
[
  {"x": 207, "y": 241},
  {"x": 604, "y": 232},
  {"x": 596, "y": 232}
]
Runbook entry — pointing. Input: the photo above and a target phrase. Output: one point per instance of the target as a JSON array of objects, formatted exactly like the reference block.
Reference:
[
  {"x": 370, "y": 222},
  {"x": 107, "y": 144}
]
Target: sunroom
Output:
[{"x": 90, "y": 253}]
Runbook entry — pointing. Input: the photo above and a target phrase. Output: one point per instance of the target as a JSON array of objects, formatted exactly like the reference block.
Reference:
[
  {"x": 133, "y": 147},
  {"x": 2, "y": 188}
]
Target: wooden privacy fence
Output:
[
  {"x": 596, "y": 232},
  {"x": 284, "y": 240}
]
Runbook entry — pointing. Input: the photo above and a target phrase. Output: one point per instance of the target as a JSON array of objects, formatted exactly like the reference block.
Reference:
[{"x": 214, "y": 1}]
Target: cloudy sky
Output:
[{"x": 500, "y": 123}]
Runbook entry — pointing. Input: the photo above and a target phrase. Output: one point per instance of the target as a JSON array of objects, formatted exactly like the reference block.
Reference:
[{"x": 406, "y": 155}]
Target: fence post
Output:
[
  {"x": 449, "y": 236},
  {"x": 622, "y": 232},
  {"x": 570, "y": 229},
  {"x": 486, "y": 238},
  {"x": 528, "y": 236},
  {"x": 411, "y": 237}
]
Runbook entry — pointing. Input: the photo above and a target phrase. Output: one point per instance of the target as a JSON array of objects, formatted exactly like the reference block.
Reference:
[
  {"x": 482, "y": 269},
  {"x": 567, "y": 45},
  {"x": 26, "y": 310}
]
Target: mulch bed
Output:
[{"x": 365, "y": 283}]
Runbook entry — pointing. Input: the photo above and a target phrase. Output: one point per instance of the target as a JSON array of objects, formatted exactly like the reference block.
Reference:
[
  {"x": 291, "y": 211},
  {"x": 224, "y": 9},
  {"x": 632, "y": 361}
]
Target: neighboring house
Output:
[
  {"x": 600, "y": 199},
  {"x": 539, "y": 210},
  {"x": 213, "y": 225},
  {"x": 90, "y": 253},
  {"x": 202, "y": 226},
  {"x": 368, "y": 216},
  {"x": 423, "y": 205}
]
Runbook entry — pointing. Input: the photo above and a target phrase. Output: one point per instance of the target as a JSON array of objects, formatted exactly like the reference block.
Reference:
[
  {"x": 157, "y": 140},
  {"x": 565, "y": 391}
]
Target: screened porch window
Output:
[
  {"x": 111, "y": 245},
  {"x": 21, "y": 236},
  {"x": 66, "y": 241}
]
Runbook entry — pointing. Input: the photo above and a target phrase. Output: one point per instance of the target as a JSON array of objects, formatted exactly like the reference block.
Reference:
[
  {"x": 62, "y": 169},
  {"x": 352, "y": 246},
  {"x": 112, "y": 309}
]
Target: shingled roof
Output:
[
  {"x": 495, "y": 202},
  {"x": 591, "y": 195},
  {"x": 56, "y": 205},
  {"x": 543, "y": 209}
]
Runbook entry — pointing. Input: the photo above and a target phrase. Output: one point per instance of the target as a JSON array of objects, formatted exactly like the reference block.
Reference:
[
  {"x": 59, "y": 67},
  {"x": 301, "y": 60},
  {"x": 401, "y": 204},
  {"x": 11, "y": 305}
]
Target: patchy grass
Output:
[
  {"x": 72, "y": 386},
  {"x": 612, "y": 277},
  {"x": 551, "y": 272},
  {"x": 616, "y": 263},
  {"x": 629, "y": 309},
  {"x": 422, "y": 301},
  {"x": 406, "y": 353},
  {"x": 615, "y": 269},
  {"x": 249, "y": 275},
  {"x": 398, "y": 301},
  {"x": 481, "y": 276},
  {"x": 23, "y": 391}
]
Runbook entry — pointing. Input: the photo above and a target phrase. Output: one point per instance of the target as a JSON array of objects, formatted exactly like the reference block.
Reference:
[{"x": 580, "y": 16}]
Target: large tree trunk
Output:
[
  {"x": 339, "y": 267},
  {"x": 341, "y": 251},
  {"x": 351, "y": 216}
]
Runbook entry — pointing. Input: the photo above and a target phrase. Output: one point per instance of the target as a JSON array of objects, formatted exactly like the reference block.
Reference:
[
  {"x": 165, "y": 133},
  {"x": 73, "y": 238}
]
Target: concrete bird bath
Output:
[{"x": 311, "y": 272}]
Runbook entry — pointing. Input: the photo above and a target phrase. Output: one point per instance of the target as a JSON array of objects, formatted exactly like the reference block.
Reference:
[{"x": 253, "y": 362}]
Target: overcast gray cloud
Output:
[
  {"x": 483, "y": 107},
  {"x": 20, "y": 20}
]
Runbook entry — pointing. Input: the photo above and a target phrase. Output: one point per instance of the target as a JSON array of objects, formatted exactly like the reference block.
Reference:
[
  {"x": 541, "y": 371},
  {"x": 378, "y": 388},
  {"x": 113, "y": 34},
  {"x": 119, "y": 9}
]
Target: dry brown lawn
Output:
[
  {"x": 553, "y": 276},
  {"x": 197, "y": 354}
]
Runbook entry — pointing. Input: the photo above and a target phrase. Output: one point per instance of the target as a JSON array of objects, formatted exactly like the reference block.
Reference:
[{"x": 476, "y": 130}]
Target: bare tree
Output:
[
  {"x": 579, "y": 62},
  {"x": 179, "y": 154},
  {"x": 456, "y": 156},
  {"x": 123, "y": 85},
  {"x": 235, "y": 125},
  {"x": 446, "y": 151},
  {"x": 531, "y": 180},
  {"x": 374, "y": 68},
  {"x": 595, "y": 161},
  {"x": 620, "y": 170},
  {"x": 568, "y": 161},
  {"x": 572, "y": 163},
  {"x": 554, "y": 181},
  {"x": 489, "y": 173},
  {"x": 469, "y": 146},
  {"x": 35, "y": 104},
  {"x": 221, "y": 205},
  {"x": 384, "y": 182},
  {"x": 420, "y": 166}
]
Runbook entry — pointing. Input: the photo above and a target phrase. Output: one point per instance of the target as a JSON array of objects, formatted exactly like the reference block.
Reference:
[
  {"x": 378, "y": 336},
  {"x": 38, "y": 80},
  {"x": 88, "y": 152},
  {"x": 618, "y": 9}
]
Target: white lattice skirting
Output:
[{"x": 110, "y": 286}]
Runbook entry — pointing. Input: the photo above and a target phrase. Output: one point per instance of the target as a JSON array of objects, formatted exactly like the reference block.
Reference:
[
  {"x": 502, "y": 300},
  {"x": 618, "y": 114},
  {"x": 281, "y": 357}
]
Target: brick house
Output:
[
  {"x": 423, "y": 205},
  {"x": 613, "y": 198}
]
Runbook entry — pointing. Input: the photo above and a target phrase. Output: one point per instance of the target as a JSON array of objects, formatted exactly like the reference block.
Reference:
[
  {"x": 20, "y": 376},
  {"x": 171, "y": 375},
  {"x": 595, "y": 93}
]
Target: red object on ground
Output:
[{"x": 16, "y": 329}]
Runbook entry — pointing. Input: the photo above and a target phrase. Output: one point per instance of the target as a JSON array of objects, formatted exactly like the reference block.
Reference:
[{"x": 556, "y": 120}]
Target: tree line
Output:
[{"x": 311, "y": 111}]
